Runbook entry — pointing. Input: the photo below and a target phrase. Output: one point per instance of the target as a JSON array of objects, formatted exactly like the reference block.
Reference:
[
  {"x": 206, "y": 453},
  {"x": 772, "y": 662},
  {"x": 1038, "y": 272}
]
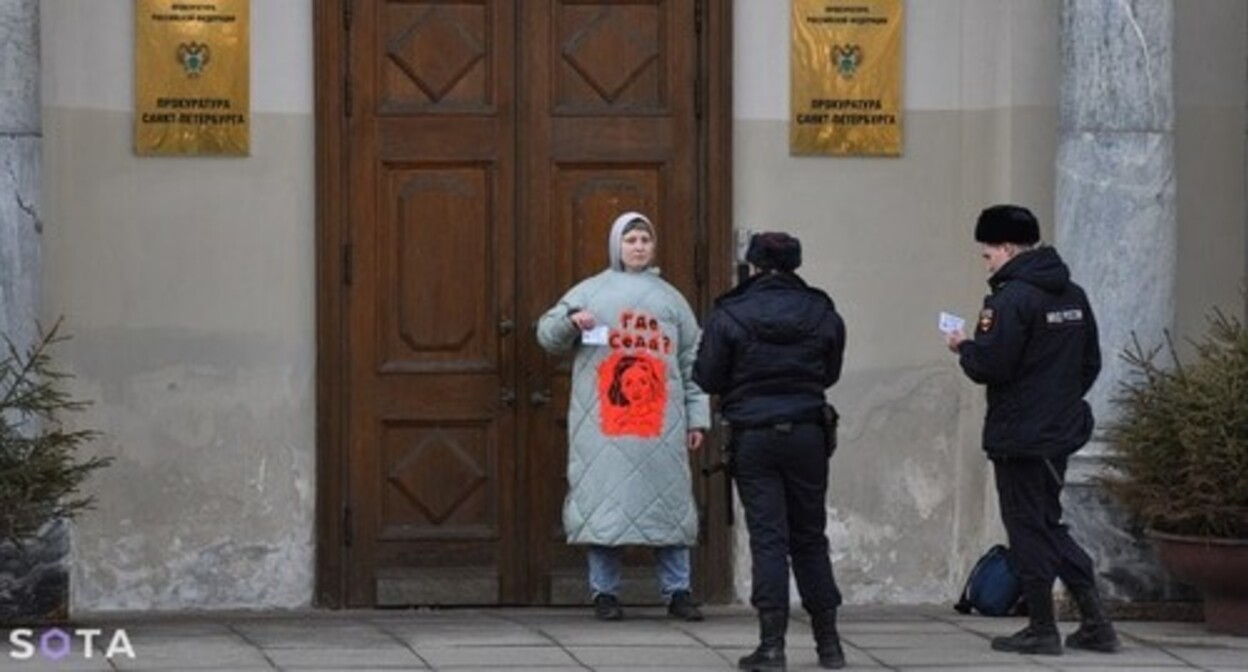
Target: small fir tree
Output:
[
  {"x": 1180, "y": 441},
  {"x": 40, "y": 468}
]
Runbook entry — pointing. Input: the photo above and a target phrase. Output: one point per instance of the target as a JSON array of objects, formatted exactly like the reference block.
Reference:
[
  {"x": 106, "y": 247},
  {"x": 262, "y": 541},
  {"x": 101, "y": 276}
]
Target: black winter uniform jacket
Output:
[
  {"x": 1036, "y": 349},
  {"x": 770, "y": 348}
]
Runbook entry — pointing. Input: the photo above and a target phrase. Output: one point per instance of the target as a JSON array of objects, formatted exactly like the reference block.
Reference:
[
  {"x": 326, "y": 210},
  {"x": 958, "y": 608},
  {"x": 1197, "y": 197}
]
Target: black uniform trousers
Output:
[
  {"x": 782, "y": 477},
  {"x": 1029, "y": 490}
]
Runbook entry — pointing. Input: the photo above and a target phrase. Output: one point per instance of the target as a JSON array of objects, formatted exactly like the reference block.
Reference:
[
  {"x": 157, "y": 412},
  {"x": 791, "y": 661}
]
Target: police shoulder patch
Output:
[{"x": 986, "y": 318}]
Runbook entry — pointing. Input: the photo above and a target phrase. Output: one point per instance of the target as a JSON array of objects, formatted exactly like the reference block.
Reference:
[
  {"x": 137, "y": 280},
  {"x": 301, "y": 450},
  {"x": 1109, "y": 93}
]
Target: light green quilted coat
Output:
[{"x": 624, "y": 489}]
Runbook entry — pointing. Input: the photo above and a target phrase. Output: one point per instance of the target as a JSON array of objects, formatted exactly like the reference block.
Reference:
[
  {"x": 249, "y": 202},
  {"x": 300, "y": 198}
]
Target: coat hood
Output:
[
  {"x": 617, "y": 232},
  {"x": 1041, "y": 268}
]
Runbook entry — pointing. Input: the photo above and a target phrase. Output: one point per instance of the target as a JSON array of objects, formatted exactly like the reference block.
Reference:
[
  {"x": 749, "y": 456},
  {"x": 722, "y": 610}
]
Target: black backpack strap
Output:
[{"x": 963, "y": 605}]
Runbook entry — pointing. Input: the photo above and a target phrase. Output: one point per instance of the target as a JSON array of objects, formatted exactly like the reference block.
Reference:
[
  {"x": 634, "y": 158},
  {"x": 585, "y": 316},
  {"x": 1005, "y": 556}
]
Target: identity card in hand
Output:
[
  {"x": 596, "y": 336},
  {"x": 950, "y": 323}
]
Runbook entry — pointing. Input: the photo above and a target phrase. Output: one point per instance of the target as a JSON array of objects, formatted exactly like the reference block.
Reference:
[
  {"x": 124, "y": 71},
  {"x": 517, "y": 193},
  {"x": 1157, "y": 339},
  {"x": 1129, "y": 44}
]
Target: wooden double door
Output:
[{"x": 471, "y": 157}]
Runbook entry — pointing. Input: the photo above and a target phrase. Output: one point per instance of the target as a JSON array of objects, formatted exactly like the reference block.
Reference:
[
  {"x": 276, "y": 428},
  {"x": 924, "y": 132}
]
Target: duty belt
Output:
[{"x": 782, "y": 427}]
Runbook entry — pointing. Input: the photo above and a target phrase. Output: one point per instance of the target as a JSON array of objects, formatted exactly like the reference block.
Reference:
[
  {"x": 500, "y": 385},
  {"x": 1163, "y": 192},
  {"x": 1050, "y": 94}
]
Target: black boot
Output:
[
  {"x": 1095, "y": 632},
  {"x": 769, "y": 655},
  {"x": 682, "y": 607},
  {"x": 827, "y": 641},
  {"x": 1040, "y": 637}
]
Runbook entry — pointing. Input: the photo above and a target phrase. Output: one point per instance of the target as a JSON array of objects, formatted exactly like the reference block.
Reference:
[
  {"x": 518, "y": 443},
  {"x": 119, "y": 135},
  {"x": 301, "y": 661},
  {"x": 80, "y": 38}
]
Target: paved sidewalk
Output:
[{"x": 891, "y": 638}]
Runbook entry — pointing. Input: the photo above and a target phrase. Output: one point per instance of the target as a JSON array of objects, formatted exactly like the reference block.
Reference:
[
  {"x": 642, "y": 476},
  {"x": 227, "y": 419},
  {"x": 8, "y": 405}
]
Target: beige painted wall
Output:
[
  {"x": 911, "y": 501},
  {"x": 189, "y": 285},
  {"x": 1210, "y": 91},
  {"x": 911, "y": 498}
]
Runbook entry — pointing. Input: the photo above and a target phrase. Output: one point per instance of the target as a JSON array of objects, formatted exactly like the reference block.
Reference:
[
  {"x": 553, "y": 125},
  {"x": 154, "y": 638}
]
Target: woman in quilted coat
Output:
[{"x": 633, "y": 416}]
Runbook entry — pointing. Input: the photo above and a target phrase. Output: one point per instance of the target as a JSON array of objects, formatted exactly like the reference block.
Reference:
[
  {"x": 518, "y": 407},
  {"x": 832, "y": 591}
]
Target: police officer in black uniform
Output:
[
  {"x": 770, "y": 348},
  {"x": 1035, "y": 348}
]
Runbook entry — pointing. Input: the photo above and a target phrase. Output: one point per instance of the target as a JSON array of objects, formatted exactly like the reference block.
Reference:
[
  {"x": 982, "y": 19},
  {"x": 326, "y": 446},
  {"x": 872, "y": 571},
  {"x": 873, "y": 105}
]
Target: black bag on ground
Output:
[{"x": 993, "y": 588}]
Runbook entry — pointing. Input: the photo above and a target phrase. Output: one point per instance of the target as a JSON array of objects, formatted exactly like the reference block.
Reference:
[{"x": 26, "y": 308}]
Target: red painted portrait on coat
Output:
[{"x": 632, "y": 394}]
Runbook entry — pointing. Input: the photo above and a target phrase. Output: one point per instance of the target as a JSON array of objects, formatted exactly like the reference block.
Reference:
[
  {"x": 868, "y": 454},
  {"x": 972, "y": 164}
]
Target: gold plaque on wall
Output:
[
  {"x": 846, "y": 78},
  {"x": 192, "y": 77}
]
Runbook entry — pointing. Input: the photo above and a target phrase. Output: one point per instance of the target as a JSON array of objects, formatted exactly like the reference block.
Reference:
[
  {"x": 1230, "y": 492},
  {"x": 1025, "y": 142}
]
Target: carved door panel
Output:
[
  {"x": 609, "y": 112},
  {"x": 477, "y": 151},
  {"x": 432, "y": 444}
]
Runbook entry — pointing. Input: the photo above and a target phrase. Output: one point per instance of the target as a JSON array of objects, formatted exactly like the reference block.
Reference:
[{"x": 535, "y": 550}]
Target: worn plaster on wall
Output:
[
  {"x": 890, "y": 506},
  {"x": 211, "y": 498}
]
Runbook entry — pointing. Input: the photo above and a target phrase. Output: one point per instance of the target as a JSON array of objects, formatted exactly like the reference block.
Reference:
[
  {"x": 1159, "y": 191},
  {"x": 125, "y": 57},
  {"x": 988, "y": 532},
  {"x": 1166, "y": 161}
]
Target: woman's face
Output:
[
  {"x": 637, "y": 250},
  {"x": 635, "y": 385}
]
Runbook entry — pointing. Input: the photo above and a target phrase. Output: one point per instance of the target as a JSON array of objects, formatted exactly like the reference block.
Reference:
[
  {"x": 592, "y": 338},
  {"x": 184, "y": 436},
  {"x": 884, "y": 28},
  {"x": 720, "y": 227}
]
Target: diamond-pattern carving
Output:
[
  {"x": 437, "y": 476},
  {"x": 610, "y": 54},
  {"x": 436, "y": 51}
]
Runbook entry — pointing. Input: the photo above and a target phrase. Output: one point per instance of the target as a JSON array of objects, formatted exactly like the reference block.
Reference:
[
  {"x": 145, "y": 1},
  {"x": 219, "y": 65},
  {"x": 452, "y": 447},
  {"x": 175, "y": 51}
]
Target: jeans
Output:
[{"x": 672, "y": 566}]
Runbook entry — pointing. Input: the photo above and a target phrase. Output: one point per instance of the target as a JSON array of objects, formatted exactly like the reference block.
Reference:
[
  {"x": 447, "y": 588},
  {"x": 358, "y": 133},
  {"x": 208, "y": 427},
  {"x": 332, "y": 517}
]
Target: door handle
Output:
[
  {"x": 540, "y": 398},
  {"x": 506, "y": 326},
  {"x": 508, "y": 396}
]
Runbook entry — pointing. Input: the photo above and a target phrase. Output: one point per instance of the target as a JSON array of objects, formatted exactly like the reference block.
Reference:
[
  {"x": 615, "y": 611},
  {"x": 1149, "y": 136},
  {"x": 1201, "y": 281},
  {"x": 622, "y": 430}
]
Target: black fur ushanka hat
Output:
[
  {"x": 774, "y": 250},
  {"x": 1007, "y": 224}
]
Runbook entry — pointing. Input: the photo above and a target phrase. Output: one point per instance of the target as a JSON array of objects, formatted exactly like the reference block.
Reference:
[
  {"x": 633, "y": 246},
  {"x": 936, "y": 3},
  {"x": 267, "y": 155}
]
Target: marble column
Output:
[
  {"x": 1116, "y": 228},
  {"x": 19, "y": 169},
  {"x": 33, "y": 576}
]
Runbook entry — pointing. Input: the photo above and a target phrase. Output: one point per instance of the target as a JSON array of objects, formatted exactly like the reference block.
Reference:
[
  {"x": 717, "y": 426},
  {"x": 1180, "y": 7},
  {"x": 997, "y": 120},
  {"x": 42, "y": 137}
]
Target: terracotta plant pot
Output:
[{"x": 1218, "y": 568}]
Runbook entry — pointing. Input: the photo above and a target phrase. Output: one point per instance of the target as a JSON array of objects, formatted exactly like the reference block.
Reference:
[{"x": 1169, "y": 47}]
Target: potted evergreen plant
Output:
[
  {"x": 41, "y": 471},
  {"x": 1179, "y": 452}
]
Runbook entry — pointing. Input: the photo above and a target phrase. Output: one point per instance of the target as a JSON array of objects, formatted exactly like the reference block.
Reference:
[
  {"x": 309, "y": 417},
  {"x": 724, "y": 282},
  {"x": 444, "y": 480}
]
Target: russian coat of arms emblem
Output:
[
  {"x": 846, "y": 58},
  {"x": 194, "y": 56}
]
